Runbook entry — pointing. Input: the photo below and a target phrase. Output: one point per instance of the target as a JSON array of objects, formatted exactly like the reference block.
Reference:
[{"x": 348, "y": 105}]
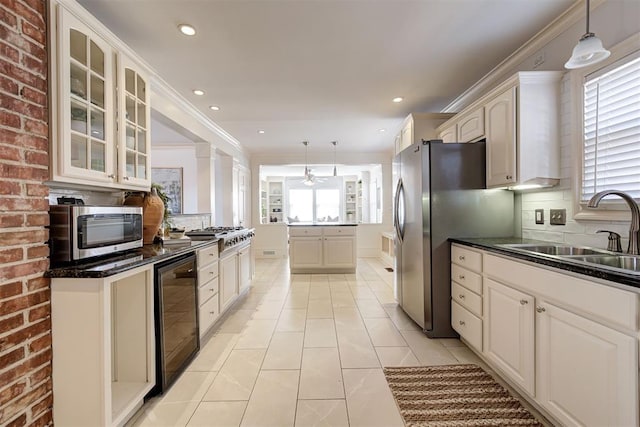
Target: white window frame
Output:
[
  {"x": 331, "y": 183},
  {"x": 609, "y": 210}
]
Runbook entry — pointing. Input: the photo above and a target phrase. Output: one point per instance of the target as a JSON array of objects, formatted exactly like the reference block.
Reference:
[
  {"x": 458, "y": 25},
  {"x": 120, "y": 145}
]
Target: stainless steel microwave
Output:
[{"x": 78, "y": 232}]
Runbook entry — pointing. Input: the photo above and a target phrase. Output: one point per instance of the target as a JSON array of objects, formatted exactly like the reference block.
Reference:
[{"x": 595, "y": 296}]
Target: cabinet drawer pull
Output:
[
  {"x": 540, "y": 309},
  {"x": 211, "y": 273},
  {"x": 126, "y": 178},
  {"x": 212, "y": 289},
  {"x": 461, "y": 296},
  {"x": 524, "y": 301},
  {"x": 461, "y": 257},
  {"x": 212, "y": 312},
  {"x": 461, "y": 277},
  {"x": 461, "y": 322},
  {"x": 112, "y": 176}
]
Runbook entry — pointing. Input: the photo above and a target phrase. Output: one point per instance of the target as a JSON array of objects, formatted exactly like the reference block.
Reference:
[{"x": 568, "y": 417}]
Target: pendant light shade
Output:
[
  {"x": 589, "y": 49},
  {"x": 335, "y": 171}
]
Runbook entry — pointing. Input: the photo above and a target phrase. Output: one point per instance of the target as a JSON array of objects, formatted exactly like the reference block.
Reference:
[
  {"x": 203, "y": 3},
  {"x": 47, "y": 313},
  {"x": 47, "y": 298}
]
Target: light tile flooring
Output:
[{"x": 303, "y": 350}]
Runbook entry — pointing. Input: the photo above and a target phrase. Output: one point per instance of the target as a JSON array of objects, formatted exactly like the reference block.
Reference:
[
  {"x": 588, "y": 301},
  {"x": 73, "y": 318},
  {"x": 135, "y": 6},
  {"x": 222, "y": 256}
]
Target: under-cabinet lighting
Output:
[{"x": 187, "y": 29}]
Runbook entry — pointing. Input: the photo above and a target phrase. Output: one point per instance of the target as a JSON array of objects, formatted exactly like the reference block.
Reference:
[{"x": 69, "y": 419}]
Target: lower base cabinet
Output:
[
  {"x": 509, "y": 332},
  {"x": 103, "y": 347},
  {"x": 568, "y": 343},
  {"x": 587, "y": 372},
  {"x": 228, "y": 279}
]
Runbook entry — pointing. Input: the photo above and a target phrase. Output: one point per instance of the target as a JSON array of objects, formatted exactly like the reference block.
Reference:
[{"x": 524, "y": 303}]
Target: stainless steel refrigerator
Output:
[{"x": 440, "y": 193}]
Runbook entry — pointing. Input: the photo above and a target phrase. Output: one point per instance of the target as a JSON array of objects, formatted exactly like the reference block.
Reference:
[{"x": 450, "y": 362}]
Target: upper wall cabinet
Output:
[
  {"x": 101, "y": 111},
  {"x": 418, "y": 126},
  {"x": 520, "y": 120}
]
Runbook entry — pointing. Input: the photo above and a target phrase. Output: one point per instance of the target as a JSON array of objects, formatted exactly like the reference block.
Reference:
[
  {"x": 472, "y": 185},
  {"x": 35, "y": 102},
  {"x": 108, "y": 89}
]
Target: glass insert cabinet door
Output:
[
  {"x": 133, "y": 124},
  {"x": 85, "y": 102}
]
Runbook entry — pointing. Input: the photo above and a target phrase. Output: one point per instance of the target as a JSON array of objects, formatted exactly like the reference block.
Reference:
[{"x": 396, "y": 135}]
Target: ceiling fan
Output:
[{"x": 310, "y": 179}]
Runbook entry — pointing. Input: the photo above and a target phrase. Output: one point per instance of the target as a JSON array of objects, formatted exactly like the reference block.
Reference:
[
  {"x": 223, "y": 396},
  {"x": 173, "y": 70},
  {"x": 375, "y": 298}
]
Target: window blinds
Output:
[{"x": 612, "y": 130}]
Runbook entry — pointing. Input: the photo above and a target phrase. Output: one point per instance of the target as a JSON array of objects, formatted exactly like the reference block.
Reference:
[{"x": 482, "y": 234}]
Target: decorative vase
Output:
[{"x": 152, "y": 212}]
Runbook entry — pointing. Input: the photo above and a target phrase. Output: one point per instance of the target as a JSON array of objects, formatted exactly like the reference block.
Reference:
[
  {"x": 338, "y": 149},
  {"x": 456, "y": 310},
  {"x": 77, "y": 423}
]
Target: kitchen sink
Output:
[
  {"x": 557, "y": 250},
  {"x": 625, "y": 262}
]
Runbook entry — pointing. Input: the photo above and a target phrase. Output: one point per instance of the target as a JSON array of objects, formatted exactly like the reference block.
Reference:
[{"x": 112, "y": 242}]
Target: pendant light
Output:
[
  {"x": 589, "y": 49},
  {"x": 335, "y": 172}
]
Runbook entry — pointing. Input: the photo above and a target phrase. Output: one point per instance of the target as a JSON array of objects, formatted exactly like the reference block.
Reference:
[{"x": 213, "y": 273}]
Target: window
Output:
[
  {"x": 611, "y": 113},
  {"x": 320, "y": 203}
]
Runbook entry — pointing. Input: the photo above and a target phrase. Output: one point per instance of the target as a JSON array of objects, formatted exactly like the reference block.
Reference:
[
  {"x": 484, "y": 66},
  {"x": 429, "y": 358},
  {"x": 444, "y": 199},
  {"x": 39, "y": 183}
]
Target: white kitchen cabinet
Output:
[
  {"x": 100, "y": 114},
  {"x": 584, "y": 354},
  {"x": 470, "y": 126},
  {"x": 466, "y": 294},
  {"x": 520, "y": 120},
  {"x": 419, "y": 126},
  {"x": 501, "y": 139},
  {"x": 305, "y": 252},
  {"x": 85, "y": 107},
  {"x": 134, "y": 132},
  {"x": 327, "y": 249},
  {"x": 208, "y": 287},
  {"x": 244, "y": 268},
  {"x": 276, "y": 200},
  {"x": 104, "y": 351},
  {"x": 587, "y": 372},
  {"x": 449, "y": 134},
  {"x": 228, "y": 278},
  {"x": 509, "y": 327}
]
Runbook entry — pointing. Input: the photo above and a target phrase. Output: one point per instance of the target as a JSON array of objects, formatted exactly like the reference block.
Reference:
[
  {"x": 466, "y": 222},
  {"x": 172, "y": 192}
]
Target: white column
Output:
[
  {"x": 206, "y": 157},
  {"x": 225, "y": 194}
]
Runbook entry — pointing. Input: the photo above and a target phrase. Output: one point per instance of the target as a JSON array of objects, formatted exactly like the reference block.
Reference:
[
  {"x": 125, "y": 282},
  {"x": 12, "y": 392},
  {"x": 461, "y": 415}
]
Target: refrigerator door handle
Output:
[{"x": 399, "y": 226}]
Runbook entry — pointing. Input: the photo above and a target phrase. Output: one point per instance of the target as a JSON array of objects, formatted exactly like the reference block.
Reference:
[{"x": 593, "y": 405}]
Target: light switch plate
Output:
[
  {"x": 558, "y": 216},
  {"x": 539, "y": 216}
]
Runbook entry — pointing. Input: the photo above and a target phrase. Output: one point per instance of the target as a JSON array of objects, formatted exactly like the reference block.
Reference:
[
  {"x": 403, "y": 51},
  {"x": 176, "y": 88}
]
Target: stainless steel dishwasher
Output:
[{"x": 176, "y": 318}]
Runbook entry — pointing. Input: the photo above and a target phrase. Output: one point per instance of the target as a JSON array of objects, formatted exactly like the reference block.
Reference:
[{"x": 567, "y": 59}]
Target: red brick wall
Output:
[{"x": 25, "y": 326}]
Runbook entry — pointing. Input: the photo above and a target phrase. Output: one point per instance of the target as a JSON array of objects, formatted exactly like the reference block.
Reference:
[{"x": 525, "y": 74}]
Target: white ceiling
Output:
[{"x": 322, "y": 70}]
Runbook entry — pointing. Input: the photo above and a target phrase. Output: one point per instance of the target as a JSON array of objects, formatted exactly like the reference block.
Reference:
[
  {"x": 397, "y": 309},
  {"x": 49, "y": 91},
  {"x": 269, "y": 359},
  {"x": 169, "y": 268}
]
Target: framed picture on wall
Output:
[{"x": 171, "y": 181}]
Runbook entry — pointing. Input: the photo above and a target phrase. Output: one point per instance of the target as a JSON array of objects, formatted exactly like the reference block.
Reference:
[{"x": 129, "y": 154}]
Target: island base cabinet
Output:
[
  {"x": 587, "y": 372},
  {"x": 305, "y": 252},
  {"x": 339, "y": 252},
  {"x": 103, "y": 347}
]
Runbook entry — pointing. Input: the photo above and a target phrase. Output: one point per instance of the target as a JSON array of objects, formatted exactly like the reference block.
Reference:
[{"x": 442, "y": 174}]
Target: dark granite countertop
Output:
[
  {"x": 321, "y": 224},
  {"x": 110, "y": 265},
  {"x": 605, "y": 273}
]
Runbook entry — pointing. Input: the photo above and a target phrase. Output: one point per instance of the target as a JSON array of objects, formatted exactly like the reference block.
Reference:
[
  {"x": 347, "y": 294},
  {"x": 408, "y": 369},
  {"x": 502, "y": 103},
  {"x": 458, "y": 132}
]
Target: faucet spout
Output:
[{"x": 634, "y": 227}]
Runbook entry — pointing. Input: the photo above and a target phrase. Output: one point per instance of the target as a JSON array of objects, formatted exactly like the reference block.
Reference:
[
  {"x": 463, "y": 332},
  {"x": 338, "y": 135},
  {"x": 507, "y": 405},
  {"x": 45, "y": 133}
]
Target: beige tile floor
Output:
[{"x": 302, "y": 350}]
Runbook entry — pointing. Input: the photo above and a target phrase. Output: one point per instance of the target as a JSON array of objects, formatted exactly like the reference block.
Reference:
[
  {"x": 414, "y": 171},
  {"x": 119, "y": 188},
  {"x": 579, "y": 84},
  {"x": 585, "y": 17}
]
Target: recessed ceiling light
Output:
[
  {"x": 187, "y": 29},
  {"x": 397, "y": 99},
  {"x": 382, "y": 130},
  {"x": 198, "y": 92},
  {"x": 260, "y": 131},
  {"x": 214, "y": 107}
]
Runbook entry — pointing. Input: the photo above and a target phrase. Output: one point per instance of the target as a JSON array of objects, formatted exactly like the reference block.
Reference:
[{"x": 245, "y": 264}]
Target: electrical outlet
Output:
[
  {"x": 538, "y": 60},
  {"x": 558, "y": 216},
  {"x": 539, "y": 216}
]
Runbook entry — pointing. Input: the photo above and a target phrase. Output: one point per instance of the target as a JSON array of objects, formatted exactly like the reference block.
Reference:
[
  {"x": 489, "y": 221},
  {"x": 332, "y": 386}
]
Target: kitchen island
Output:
[{"x": 322, "y": 247}]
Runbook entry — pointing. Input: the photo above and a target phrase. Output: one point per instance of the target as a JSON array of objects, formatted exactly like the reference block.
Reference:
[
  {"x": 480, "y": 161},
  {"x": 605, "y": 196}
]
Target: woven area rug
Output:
[{"x": 454, "y": 395}]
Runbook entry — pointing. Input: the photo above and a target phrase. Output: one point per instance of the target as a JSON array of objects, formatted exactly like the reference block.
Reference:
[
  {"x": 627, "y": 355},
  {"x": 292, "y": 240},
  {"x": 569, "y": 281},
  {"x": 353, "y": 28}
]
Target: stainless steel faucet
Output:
[{"x": 634, "y": 227}]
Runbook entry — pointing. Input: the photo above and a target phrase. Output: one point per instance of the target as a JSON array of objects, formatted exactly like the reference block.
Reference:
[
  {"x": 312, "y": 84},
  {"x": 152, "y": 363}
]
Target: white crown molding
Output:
[
  {"x": 559, "y": 25},
  {"x": 157, "y": 83}
]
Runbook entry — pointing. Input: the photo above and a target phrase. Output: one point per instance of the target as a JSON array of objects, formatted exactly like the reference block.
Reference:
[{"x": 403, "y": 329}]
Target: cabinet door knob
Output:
[
  {"x": 212, "y": 290},
  {"x": 461, "y": 296},
  {"x": 461, "y": 277},
  {"x": 540, "y": 309},
  {"x": 461, "y": 322},
  {"x": 523, "y": 302},
  {"x": 461, "y": 257}
]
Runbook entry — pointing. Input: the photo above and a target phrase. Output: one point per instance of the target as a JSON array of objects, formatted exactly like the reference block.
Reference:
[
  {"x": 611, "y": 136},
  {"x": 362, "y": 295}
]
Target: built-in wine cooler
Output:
[{"x": 176, "y": 318}]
